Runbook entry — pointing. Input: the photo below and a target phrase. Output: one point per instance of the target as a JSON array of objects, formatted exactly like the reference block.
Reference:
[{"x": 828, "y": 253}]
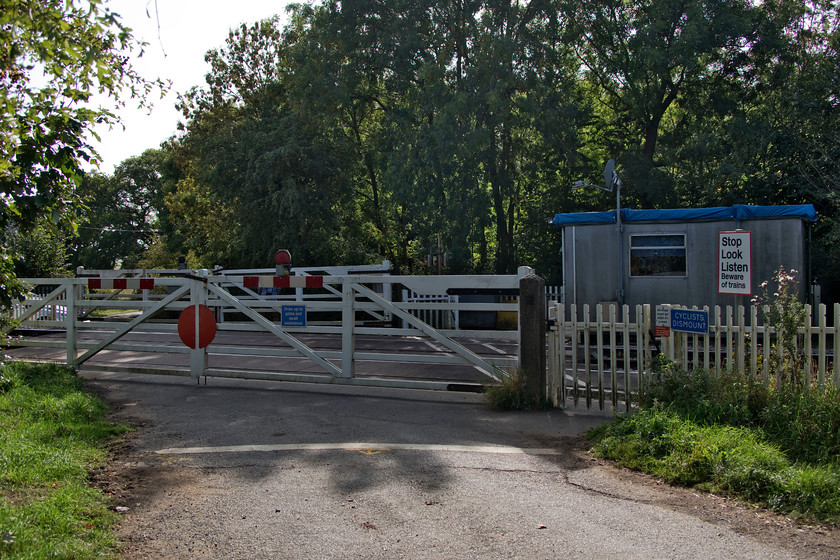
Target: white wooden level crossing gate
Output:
[{"x": 349, "y": 325}]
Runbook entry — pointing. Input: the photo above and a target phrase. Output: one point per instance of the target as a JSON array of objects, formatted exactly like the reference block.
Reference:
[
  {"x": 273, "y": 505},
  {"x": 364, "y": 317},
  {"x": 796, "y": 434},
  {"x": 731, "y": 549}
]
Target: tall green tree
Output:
[
  {"x": 363, "y": 130},
  {"x": 122, "y": 212},
  {"x": 54, "y": 55},
  {"x": 40, "y": 252},
  {"x": 475, "y": 107},
  {"x": 648, "y": 59},
  {"x": 251, "y": 150}
]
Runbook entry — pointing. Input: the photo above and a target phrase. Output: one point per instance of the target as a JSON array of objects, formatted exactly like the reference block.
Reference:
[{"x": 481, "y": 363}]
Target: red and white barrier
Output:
[
  {"x": 121, "y": 283},
  {"x": 283, "y": 281}
]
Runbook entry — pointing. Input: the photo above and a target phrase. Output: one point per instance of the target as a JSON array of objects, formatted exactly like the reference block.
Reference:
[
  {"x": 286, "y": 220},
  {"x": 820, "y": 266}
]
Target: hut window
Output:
[{"x": 657, "y": 255}]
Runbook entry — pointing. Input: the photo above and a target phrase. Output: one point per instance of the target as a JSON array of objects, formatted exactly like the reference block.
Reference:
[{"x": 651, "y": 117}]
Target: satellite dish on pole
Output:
[{"x": 609, "y": 175}]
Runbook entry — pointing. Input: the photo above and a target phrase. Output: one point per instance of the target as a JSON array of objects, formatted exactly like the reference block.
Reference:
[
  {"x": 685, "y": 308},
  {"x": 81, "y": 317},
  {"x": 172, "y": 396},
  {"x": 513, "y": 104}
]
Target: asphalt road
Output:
[
  {"x": 266, "y": 470},
  {"x": 255, "y": 343}
]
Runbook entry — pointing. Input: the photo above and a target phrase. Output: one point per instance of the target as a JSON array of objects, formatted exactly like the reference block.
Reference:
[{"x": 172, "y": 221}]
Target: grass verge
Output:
[
  {"x": 53, "y": 435},
  {"x": 732, "y": 435},
  {"x": 106, "y": 313}
]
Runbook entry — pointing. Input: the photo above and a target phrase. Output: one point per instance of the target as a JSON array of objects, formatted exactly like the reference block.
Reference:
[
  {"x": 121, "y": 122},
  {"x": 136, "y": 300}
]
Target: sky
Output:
[{"x": 188, "y": 29}]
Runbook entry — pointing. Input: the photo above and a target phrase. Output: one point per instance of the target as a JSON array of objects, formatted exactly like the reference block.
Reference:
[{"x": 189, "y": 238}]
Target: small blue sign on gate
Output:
[
  {"x": 690, "y": 320},
  {"x": 293, "y": 316}
]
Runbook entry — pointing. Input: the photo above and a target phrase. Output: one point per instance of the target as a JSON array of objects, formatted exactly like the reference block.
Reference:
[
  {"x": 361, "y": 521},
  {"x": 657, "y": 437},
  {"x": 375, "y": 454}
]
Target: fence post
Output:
[
  {"x": 560, "y": 372},
  {"x": 552, "y": 377},
  {"x": 573, "y": 328},
  {"x": 806, "y": 351},
  {"x": 754, "y": 331},
  {"x": 532, "y": 319},
  {"x": 348, "y": 325},
  {"x": 835, "y": 334},
  {"x": 821, "y": 347},
  {"x": 644, "y": 351},
  {"x": 740, "y": 352},
  {"x": 70, "y": 323},
  {"x": 599, "y": 352}
]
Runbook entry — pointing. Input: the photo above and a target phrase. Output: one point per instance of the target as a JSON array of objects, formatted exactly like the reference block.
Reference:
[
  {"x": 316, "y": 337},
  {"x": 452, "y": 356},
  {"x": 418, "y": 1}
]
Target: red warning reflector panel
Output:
[
  {"x": 121, "y": 283},
  {"x": 254, "y": 282}
]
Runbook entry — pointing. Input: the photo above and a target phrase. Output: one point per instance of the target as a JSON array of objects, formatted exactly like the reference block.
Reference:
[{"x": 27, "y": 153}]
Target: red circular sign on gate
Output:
[
  {"x": 206, "y": 326},
  {"x": 283, "y": 257}
]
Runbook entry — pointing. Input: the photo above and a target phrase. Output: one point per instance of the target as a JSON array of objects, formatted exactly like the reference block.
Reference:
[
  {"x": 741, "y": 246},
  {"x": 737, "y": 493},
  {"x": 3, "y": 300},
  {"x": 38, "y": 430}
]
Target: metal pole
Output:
[
  {"x": 198, "y": 356},
  {"x": 439, "y": 256},
  {"x": 620, "y": 294}
]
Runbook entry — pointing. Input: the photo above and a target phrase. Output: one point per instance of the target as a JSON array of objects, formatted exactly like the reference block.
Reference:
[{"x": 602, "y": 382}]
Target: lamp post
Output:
[{"x": 611, "y": 181}]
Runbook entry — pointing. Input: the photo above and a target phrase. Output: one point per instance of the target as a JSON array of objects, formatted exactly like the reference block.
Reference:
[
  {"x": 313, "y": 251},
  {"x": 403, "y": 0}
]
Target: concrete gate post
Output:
[{"x": 532, "y": 327}]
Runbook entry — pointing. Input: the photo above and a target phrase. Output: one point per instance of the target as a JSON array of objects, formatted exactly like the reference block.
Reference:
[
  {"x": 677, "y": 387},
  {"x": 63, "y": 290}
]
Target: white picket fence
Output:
[
  {"x": 601, "y": 359},
  {"x": 607, "y": 357},
  {"x": 51, "y": 312}
]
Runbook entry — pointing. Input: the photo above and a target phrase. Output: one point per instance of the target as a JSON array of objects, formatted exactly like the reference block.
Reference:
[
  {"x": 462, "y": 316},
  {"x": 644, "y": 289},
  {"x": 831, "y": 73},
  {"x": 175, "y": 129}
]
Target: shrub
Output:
[
  {"x": 700, "y": 396},
  {"x": 782, "y": 310},
  {"x": 778, "y": 446},
  {"x": 805, "y": 424}
]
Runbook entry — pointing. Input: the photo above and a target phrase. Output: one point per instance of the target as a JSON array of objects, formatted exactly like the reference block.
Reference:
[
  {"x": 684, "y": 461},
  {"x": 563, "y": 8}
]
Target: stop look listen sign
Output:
[{"x": 735, "y": 263}]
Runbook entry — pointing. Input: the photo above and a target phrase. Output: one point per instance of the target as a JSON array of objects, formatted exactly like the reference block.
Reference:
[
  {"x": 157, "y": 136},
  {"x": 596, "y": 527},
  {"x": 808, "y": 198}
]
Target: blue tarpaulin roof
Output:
[
  {"x": 805, "y": 212},
  {"x": 584, "y": 218}
]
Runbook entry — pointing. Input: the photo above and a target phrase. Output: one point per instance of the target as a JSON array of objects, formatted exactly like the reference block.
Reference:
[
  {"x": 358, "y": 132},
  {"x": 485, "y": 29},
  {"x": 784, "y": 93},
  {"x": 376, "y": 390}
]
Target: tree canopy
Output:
[
  {"x": 364, "y": 130},
  {"x": 54, "y": 56}
]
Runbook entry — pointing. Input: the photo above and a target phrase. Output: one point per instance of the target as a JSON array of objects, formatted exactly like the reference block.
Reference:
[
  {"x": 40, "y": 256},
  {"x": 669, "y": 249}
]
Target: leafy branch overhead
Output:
[{"x": 55, "y": 56}]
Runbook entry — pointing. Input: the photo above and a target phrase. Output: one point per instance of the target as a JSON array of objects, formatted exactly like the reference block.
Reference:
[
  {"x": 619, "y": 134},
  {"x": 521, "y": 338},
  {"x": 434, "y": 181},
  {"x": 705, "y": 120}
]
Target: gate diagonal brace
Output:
[
  {"x": 174, "y": 296},
  {"x": 476, "y": 360},
  {"x": 280, "y": 333}
]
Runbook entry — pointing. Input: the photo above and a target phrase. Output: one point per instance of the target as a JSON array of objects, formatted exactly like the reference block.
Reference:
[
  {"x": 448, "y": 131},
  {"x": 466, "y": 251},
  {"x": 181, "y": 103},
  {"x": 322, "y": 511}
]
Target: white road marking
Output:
[
  {"x": 355, "y": 446},
  {"x": 434, "y": 346},
  {"x": 491, "y": 347}
]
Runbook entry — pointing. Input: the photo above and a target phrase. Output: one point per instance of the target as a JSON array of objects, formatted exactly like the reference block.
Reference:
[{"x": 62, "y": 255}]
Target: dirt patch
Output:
[
  {"x": 134, "y": 483},
  {"x": 803, "y": 539}
]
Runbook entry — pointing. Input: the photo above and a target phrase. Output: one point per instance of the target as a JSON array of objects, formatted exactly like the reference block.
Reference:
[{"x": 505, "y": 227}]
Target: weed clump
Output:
[
  {"x": 772, "y": 441},
  {"x": 511, "y": 394}
]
